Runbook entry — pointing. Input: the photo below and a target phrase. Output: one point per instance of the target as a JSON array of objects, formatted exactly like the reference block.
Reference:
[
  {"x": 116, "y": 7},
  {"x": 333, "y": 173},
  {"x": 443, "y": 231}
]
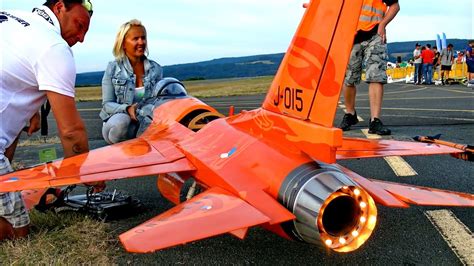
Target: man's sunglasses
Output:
[{"x": 88, "y": 6}]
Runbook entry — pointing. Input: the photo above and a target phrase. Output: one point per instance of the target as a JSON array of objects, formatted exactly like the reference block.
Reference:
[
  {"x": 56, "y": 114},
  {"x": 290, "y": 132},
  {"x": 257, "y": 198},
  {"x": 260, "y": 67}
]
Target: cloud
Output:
[{"x": 181, "y": 31}]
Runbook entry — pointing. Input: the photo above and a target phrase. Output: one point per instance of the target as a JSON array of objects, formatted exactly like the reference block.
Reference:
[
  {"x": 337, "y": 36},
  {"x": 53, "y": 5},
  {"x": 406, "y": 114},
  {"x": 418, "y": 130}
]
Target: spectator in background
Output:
[
  {"x": 436, "y": 62},
  {"x": 427, "y": 56},
  {"x": 460, "y": 58},
  {"x": 470, "y": 63},
  {"x": 447, "y": 60},
  {"x": 417, "y": 61},
  {"x": 127, "y": 80}
]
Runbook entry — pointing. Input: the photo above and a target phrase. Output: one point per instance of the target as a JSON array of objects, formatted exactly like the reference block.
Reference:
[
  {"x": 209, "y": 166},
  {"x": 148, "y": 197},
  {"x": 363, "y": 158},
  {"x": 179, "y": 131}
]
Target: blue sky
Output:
[{"x": 184, "y": 31}]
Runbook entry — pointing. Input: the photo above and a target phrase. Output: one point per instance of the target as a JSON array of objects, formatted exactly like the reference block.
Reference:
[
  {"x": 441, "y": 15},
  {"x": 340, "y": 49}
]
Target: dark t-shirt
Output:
[
  {"x": 363, "y": 36},
  {"x": 436, "y": 59},
  {"x": 471, "y": 58}
]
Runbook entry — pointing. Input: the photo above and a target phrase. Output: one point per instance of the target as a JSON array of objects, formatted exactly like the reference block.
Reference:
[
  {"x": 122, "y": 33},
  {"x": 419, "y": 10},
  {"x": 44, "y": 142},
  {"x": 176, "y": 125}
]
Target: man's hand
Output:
[
  {"x": 132, "y": 111},
  {"x": 34, "y": 124},
  {"x": 98, "y": 186},
  {"x": 72, "y": 130},
  {"x": 382, "y": 33}
]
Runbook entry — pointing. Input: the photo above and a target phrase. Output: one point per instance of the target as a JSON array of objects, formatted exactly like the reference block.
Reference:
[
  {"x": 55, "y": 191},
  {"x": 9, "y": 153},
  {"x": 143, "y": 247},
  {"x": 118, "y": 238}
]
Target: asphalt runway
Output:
[{"x": 402, "y": 236}]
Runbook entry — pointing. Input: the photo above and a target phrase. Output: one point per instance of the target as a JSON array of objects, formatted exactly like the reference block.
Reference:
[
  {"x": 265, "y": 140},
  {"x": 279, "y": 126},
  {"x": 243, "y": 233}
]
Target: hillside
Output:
[{"x": 250, "y": 66}]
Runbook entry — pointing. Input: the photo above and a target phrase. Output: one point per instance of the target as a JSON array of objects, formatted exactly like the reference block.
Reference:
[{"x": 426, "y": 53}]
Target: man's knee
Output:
[
  {"x": 6, "y": 229},
  {"x": 22, "y": 231},
  {"x": 8, "y": 232}
]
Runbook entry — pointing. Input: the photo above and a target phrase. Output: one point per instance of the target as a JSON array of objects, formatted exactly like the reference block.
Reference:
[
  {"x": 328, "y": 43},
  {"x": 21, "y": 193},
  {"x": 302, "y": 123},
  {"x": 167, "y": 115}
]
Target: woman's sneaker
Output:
[
  {"x": 376, "y": 127},
  {"x": 348, "y": 120}
]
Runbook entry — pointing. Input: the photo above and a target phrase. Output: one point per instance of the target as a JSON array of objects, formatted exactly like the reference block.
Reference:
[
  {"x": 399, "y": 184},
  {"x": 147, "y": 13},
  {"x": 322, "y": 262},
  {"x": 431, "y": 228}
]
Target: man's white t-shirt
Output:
[
  {"x": 34, "y": 58},
  {"x": 417, "y": 52}
]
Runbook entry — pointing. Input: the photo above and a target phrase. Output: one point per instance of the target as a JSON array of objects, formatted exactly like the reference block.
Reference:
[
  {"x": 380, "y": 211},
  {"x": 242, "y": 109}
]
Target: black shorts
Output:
[
  {"x": 470, "y": 66},
  {"x": 445, "y": 68}
]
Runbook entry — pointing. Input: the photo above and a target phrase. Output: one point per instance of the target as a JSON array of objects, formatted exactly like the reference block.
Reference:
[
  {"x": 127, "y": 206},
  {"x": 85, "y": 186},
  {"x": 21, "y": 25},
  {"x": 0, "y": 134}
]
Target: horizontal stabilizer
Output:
[
  {"x": 380, "y": 195},
  {"x": 133, "y": 158},
  {"x": 210, "y": 213},
  {"x": 355, "y": 148},
  {"x": 427, "y": 196}
]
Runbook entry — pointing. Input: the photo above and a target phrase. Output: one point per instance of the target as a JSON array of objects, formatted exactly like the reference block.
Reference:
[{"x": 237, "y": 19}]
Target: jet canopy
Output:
[{"x": 169, "y": 87}]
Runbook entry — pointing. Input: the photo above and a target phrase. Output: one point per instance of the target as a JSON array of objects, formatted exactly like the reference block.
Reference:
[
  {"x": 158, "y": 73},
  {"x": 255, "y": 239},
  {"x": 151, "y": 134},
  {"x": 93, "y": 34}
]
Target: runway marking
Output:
[
  {"x": 433, "y": 117},
  {"x": 427, "y": 98},
  {"x": 421, "y": 109},
  {"x": 451, "y": 90},
  {"x": 397, "y": 92},
  {"x": 399, "y": 166},
  {"x": 370, "y": 136},
  {"x": 459, "y": 238}
]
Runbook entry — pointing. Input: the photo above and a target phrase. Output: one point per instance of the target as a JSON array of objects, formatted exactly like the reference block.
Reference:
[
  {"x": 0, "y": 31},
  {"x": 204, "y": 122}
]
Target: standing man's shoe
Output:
[
  {"x": 376, "y": 127},
  {"x": 348, "y": 120}
]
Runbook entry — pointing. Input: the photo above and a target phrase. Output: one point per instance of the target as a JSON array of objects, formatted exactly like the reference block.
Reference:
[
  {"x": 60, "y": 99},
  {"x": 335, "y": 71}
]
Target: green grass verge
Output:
[
  {"x": 200, "y": 88},
  {"x": 65, "y": 239}
]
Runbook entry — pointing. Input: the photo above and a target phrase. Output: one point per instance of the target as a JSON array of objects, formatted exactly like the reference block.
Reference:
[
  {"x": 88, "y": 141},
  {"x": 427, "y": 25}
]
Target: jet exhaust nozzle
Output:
[{"x": 331, "y": 210}]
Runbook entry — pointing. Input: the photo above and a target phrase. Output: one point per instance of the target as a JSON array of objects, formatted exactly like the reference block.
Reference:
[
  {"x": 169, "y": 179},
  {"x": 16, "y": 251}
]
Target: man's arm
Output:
[
  {"x": 391, "y": 13},
  {"x": 70, "y": 126}
]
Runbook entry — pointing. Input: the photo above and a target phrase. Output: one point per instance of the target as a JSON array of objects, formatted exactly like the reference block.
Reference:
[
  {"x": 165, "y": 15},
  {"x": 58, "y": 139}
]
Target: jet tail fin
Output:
[{"x": 308, "y": 83}]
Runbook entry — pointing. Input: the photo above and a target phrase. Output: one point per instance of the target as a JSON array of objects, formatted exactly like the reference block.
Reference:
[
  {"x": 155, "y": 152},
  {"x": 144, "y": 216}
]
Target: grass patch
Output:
[
  {"x": 200, "y": 88},
  {"x": 35, "y": 141},
  {"x": 65, "y": 239},
  {"x": 84, "y": 94}
]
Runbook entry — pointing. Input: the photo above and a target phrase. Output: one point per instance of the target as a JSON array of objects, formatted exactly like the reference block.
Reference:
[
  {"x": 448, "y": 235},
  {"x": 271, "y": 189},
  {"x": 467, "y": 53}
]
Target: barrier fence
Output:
[{"x": 458, "y": 71}]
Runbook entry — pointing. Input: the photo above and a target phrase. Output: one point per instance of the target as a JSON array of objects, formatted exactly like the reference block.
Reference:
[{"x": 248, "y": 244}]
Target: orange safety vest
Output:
[{"x": 373, "y": 11}]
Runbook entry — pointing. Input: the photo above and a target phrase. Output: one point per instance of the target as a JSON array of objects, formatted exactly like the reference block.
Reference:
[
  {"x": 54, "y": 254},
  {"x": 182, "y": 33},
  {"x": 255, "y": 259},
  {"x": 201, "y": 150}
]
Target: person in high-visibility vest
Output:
[{"x": 369, "y": 47}]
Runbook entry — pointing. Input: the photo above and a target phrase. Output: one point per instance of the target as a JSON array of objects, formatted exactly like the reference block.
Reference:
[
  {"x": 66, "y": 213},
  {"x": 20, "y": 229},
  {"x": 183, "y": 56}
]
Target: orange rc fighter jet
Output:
[{"x": 274, "y": 166}]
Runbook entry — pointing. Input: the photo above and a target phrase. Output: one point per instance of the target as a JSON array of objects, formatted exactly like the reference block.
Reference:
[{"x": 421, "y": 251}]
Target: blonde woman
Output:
[{"x": 128, "y": 79}]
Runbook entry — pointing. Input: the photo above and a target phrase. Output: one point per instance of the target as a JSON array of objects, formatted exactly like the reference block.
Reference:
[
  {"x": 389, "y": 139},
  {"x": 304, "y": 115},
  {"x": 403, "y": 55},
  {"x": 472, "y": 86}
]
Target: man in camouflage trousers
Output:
[{"x": 369, "y": 48}]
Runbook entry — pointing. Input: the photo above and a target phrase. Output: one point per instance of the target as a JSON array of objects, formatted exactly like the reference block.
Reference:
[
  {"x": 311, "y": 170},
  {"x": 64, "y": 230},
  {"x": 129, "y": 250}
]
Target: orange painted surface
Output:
[
  {"x": 177, "y": 109},
  {"x": 170, "y": 186},
  {"x": 308, "y": 82},
  {"x": 244, "y": 159},
  {"x": 32, "y": 197},
  {"x": 354, "y": 148},
  {"x": 136, "y": 157},
  {"x": 380, "y": 195},
  {"x": 427, "y": 196},
  {"x": 211, "y": 213}
]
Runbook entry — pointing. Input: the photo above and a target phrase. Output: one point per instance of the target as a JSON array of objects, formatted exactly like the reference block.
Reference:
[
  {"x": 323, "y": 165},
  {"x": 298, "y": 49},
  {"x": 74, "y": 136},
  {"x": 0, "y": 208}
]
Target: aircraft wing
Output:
[
  {"x": 427, "y": 196},
  {"x": 401, "y": 195},
  {"x": 133, "y": 158},
  {"x": 210, "y": 213},
  {"x": 356, "y": 148}
]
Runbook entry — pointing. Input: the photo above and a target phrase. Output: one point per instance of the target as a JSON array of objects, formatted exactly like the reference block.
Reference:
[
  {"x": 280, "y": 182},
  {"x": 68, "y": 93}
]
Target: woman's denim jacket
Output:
[{"x": 118, "y": 85}]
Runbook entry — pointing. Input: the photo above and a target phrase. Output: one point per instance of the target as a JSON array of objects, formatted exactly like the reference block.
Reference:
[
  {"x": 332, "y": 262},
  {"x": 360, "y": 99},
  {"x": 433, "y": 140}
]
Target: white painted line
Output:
[
  {"x": 400, "y": 166},
  {"x": 370, "y": 136},
  {"x": 343, "y": 107},
  {"x": 459, "y": 238}
]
